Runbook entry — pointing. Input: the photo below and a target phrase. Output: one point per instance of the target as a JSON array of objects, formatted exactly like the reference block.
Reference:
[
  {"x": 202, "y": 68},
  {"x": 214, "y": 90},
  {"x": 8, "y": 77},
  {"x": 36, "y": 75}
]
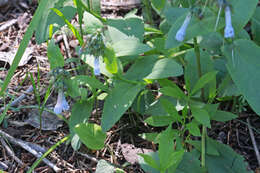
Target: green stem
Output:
[
  {"x": 148, "y": 11},
  {"x": 204, "y": 129}
]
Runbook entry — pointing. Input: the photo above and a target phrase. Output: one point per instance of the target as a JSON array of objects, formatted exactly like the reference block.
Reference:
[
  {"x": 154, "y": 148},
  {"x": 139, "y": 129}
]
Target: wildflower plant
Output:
[{"x": 191, "y": 42}]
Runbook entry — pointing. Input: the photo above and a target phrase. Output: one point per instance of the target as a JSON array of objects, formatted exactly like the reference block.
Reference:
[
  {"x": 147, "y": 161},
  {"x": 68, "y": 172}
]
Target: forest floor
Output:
[{"x": 123, "y": 141}]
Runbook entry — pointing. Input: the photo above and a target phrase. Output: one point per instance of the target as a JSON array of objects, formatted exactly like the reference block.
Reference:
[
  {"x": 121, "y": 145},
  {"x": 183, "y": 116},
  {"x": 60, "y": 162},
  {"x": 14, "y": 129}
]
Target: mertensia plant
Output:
[{"x": 202, "y": 42}]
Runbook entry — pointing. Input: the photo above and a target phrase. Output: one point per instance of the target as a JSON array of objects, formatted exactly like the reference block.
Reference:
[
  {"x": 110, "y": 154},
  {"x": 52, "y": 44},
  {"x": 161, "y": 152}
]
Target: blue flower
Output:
[
  {"x": 96, "y": 66},
  {"x": 229, "y": 30},
  {"x": 182, "y": 31},
  {"x": 62, "y": 104}
]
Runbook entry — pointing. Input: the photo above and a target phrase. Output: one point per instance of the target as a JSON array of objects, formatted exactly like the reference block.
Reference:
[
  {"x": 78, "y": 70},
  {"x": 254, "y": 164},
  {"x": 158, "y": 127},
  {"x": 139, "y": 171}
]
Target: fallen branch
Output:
[
  {"x": 8, "y": 24},
  {"x": 27, "y": 147},
  {"x": 19, "y": 99},
  {"x": 253, "y": 141}
]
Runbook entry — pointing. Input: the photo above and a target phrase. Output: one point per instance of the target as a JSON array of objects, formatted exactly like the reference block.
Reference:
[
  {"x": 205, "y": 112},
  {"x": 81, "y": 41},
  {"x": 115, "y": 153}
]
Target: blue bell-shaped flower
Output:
[
  {"x": 96, "y": 66},
  {"x": 62, "y": 104},
  {"x": 180, "y": 35},
  {"x": 229, "y": 30}
]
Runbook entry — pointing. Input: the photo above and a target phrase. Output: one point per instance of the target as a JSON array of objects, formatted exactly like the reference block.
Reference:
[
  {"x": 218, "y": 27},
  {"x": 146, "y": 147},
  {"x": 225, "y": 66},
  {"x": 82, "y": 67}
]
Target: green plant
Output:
[{"x": 200, "y": 42}]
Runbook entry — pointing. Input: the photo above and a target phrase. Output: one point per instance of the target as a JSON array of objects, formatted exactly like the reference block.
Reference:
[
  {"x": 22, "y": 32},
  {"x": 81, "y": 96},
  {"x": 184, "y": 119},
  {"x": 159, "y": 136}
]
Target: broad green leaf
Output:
[
  {"x": 227, "y": 162},
  {"x": 193, "y": 128},
  {"x": 77, "y": 85},
  {"x": 170, "y": 109},
  {"x": 223, "y": 116},
  {"x": 130, "y": 46},
  {"x": 243, "y": 66},
  {"x": 154, "y": 68},
  {"x": 80, "y": 113},
  {"x": 159, "y": 121},
  {"x": 91, "y": 23},
  {"x": 189, "y": 162},
  {"x": 240, "y": 14},
  {"x": 55, "y": 57},
  {"x": 23, "y": 45},
  {"x": 146, "y": 167},
  {"x": 201, "y": 115},
  {"x": 117, "y": 102},
  {"x": 174, "y": 92},
  {"x": 173, "y": 13},
  {"x": 205, "y": 79},
  {"x": 212, "y": 42},
  {"x": 110, "y": 60},
  {"x": 150, "y": 161},
  {"x": 104, "y": 167},
  {"x": 256, "y": 26},
  {"x": 91, "y": 135},
  {"x": 164, "y": 68},
  {"x": 167, "y": 155},
  {"x": 158, "y": 5},
  {"x": 210, "y": 147},
  {"x": 124, "y": 28}
]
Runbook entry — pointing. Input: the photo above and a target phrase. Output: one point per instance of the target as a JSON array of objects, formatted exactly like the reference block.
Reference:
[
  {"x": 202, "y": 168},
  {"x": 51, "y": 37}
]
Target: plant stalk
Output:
[{"x": 204, "y": 129}]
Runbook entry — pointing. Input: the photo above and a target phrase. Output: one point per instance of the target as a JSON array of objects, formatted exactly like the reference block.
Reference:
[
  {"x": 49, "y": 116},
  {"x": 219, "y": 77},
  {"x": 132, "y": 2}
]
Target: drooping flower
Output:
[
  {"x": 182, "y": 31},
  {"x": 96, "y": 66},
  {"x": 229, "y": 30},
  {"x": 62, "y": 104}
]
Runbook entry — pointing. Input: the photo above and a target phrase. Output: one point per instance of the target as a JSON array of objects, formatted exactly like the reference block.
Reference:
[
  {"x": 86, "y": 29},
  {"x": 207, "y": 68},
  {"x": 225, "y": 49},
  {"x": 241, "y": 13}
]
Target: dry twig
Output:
[
  {"x": 253, "y": 141},
  {"x": 26, "y": 146}
]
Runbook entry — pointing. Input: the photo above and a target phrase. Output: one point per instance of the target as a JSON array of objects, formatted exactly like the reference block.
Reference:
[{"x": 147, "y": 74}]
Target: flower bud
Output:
[
  {"x": 229, "y": 30},
  {"x": 182, "y": 31},
  {"x": 62, "y": 104}
]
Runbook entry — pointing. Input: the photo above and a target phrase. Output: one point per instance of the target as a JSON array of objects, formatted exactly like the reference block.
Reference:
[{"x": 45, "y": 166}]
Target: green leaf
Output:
[
  {"x": 119, "y": 29},
  {"x": 154, "y": 68},
  {"x": 193, "y": 128},
  {"x": 77, "y": 85},
  {"x": 158, "y": 5},
  {"x": 174, "y": 92},
  {"x": 240, "y": 14},
  {"x": 223, "y": 116},
  {"x": 164, "y": 68},
  {"x": 152, "y": 137},
  {"x": 205, "y": 79},
  {"x": 104, "y": 167},
  {"x": 80, "y": 113},
  {"x": 110, "y": 60},
  {"x": 91, "y": 135},
  {"x": 159, "y": 121},
  {"x": 91, "y": 23},
  {"x": 227, "y": 162},
  {"x": 256, "y": 26},
  {"x": 170, "y": 109},
  {"x": 201, "y": 115},
  {"x": 55, "y": 57},
  {"x": 150, "y": 161},
  {"x": 130, "y": 46},
  {"x": 167, "y": 155},
  {"x": 146, "y": 166},
  {"x": 244, "y": 67},
  {"x": 26, "y": 38},
  {"x": 189, "y": 162},
  {"x": 210, "y": 147},
  {"x": 117, "y": 102}
]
